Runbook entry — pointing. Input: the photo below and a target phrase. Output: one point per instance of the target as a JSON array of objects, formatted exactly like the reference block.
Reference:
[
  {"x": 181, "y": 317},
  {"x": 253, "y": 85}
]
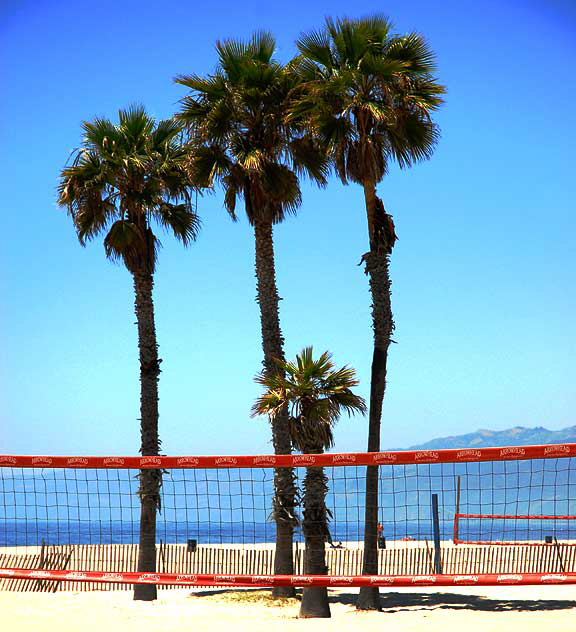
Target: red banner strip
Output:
[
  {"x": 512, "y": 517},
  {"x": 291, "y": 580},
  {"x": 511, "y": 453},
  {"x": 514, "y": 543}
]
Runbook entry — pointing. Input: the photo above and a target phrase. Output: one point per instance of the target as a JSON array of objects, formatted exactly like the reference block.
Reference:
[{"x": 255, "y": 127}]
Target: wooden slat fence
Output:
[{"x": 175, "y": 558}]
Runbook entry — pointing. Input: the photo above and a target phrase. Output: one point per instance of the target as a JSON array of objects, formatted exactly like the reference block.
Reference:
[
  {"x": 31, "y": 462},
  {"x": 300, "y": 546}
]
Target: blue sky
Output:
[{"x": 483, "y": 273}]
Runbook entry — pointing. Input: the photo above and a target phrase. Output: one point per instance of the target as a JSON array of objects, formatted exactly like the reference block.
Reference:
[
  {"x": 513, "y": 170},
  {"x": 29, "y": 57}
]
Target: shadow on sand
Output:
[{"x": 396, "y": 602}]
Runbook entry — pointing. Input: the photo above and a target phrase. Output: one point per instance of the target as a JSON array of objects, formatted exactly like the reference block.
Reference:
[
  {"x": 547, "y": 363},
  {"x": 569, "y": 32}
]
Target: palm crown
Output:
[
  {"x": 316, "y": 395},
  {"x": 238, "y": 122},
  {"x": 368, "y": 95},
  {"x": 125, "y": 177}
]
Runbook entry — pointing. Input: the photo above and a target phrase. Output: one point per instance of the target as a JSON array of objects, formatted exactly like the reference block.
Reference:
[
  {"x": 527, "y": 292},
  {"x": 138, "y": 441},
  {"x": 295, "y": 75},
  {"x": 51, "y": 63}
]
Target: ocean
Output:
[{"x": 27, "y": 533}]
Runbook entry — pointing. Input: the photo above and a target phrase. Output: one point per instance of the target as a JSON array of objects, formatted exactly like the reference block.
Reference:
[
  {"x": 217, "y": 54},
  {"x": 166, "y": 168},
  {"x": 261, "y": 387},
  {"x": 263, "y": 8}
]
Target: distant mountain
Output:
[{"x": 489, "y": 438}]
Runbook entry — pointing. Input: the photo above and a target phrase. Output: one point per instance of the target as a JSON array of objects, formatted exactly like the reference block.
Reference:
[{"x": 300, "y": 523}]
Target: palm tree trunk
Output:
[
  {"x": 377, "y": 267},
  {"x": 150, "y": 480},
  {"x": 273, "y": 347},
  {"x": 315, "y": 527}
]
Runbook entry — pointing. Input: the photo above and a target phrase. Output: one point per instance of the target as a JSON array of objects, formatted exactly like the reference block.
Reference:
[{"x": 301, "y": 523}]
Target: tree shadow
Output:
[
  {"x": 245, "y": 594},
  {"x": 396, "y": 602},
  {"x": 211, "y": 592}
]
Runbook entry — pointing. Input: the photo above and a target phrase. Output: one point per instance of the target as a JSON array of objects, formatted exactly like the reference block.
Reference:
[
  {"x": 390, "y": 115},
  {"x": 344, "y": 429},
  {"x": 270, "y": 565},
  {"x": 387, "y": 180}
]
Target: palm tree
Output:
[
  {"x": 316, "y": 396},
  {"x": 369, "y": 96},
  {"x": 237, "y": 124},
  {"x": 125, "y": 177}
]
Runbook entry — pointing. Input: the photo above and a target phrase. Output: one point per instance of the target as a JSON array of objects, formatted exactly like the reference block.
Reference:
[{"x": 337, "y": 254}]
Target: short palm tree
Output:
[
  {"x": 237, "y": 122},
  {"x": 316, "y": 394},
  {"x": 127, "y": 176},
  {"x": 368, "y": 97}
]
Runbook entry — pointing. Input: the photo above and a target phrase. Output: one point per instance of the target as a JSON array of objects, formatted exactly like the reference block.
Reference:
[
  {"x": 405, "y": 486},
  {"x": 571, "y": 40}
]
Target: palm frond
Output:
[
  {"x": 166, "y": 131},
  {"x": 234, "y": 185},
  {"x": 415, "y": 141},
  {"x": 262, "y": 46},
  {"x": 193, "y": 111},
  {"x": 218, "y": 121},
  {"x": 380, "y": 112},
  {"x": 378, "y": 27},
  {"x": 95, "y": 212},
  {"x": 135, "y": 124},
  {"x": 201, "y": 85},
  {"x": 101, "y": 136},
  {"x": 304, "y": 68},
  {"x": 208, "y": 163},
  {"x": 350, "y": 41},
  {"x": 180, "y": 219},
  {"x": 310, "y": 158},
  {"x": 414, "y": 51},
  {"x": 251, "y": 159},
  {"x": 232, "y": 55},
  {"x": 335, "y": 131},
  {"x": 281, "y": 185},
  {"x": 382, "y": 68},
  {"x": 426, "y": 93},
  {"x": 137, "y": 248},
  {"x": 315, "y": 47}
]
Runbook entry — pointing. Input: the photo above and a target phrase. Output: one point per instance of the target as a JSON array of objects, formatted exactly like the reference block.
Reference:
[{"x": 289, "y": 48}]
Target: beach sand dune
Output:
[{"x": 486, "y": 609}]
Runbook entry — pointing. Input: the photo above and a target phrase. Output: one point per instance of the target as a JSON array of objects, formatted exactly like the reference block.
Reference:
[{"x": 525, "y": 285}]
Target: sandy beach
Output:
[
  {"x": 461, "y": 609},
  {"x": 526, "y": 609}
]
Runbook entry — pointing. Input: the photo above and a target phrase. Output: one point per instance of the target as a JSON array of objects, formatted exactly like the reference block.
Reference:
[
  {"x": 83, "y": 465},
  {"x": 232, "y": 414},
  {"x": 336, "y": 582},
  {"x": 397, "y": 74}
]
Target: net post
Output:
[
  {"x": 457, "y": 514},
  {"x": 436, "y": 526}
]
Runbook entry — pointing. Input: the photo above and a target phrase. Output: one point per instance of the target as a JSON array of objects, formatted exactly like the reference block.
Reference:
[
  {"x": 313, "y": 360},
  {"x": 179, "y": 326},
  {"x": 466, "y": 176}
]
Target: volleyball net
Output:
[{"x": 440, "y": 512}]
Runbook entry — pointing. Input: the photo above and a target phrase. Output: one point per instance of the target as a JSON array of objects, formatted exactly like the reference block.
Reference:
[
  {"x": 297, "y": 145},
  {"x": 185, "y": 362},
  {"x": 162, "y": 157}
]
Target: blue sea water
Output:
[{"x": 26, "y": 533}]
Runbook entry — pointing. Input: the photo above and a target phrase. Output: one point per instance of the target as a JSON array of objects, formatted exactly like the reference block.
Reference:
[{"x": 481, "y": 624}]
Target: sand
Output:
[
  {"x": 479, "y": 609},
  {"x": 461, "y": 609}
]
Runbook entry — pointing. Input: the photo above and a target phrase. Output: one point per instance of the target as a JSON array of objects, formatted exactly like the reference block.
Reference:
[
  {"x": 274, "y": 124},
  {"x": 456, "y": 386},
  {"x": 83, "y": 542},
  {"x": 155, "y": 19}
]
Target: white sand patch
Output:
[{"x": 525, "y": 609}]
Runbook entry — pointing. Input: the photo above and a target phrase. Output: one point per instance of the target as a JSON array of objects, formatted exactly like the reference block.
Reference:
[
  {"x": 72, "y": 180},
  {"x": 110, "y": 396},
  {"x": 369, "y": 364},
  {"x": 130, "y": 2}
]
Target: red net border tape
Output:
[
  {"x": 512, "y": 517},
  {"x": 511, "y": 453},
  {"x": 516, "y": 543},
  {"x": 293, "y": 580}
]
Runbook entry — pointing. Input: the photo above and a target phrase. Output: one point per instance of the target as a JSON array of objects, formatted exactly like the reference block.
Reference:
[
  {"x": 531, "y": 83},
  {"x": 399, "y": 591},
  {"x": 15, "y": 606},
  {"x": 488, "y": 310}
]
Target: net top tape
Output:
[
  {"x": 467, "y": 455},
  {"x": 172, "y": 579}
]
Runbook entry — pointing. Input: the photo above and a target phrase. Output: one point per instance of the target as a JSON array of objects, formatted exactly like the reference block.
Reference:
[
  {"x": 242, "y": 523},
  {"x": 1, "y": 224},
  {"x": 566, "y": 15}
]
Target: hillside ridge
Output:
[{"x": 483, "y": 438}]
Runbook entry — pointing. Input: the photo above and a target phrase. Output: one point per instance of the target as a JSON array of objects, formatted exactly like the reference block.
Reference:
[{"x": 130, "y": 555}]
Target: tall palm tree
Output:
[
  {"x": 241, "y": 140},
  {"x": 316, "y": 395},
  {"x": 369, "y": 97},
  {"x": 126, "y": 177}
]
